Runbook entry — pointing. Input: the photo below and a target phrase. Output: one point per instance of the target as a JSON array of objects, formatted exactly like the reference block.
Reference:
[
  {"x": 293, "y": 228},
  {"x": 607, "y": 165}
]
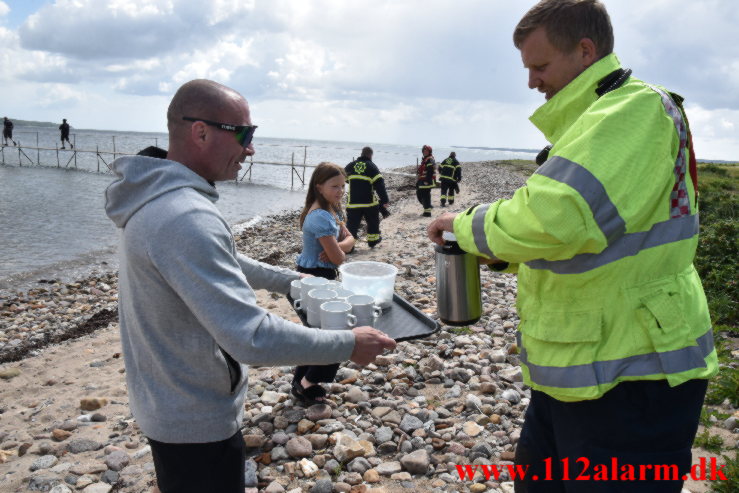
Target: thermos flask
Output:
[{"x": 458, "y": 297}]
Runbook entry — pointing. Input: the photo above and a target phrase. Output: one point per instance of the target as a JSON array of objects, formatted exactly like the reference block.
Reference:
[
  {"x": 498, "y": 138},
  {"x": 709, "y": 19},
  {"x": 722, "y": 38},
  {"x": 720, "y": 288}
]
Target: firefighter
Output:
[
  {"x": 367, "y": 197},
  {"x": 450, "y": 173},
  {"x": 426, "y": 179}
]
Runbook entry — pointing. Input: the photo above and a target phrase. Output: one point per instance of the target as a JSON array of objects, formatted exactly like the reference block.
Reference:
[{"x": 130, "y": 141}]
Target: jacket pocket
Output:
[
  {"x": 661, "y": 315},
  {"x": 562, "y": 339},
  {"x": 234, "y": 370}
]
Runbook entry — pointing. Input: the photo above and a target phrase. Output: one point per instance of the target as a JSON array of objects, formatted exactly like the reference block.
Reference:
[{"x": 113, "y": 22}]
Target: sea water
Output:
[{"x": 52, "y": 217}]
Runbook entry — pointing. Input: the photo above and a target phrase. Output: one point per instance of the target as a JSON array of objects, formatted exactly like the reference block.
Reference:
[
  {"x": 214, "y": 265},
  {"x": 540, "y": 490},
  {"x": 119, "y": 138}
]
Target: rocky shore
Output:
[{"x": 403, "y": 423}]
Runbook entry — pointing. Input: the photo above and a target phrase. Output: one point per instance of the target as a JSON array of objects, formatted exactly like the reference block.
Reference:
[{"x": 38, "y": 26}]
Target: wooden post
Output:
[
  {"x": 38, "y": 152},
  {"x": 97, "y": 156},
  {"x": 114, "y": 148},
  {"x": 57, "y": 155},
  {"x": 292, "y": 171}
]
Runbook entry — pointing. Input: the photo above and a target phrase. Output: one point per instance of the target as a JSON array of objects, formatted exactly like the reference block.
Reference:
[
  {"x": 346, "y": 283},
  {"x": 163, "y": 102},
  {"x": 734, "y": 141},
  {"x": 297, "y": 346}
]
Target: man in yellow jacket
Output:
[{"x": 615, "y": 338}]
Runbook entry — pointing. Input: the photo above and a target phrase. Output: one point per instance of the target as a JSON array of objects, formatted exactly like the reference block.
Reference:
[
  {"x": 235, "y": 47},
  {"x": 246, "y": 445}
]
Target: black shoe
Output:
[
  {"x": 443, "y": 204},
  {"x": 374, "y": 243},
  {"x": 426, "y": 214},
  {"x": 63, "y": 147},
  {"x": 311, "y": 396}
]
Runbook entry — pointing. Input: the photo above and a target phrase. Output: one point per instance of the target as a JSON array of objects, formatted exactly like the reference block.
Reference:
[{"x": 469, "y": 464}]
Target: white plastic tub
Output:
[{"x": 376, "y": 279}]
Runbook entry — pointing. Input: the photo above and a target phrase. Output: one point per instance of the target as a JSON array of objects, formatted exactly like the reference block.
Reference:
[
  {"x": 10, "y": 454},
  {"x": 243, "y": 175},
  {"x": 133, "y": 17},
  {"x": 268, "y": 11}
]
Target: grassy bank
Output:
[{"x": 717, "y": 261}]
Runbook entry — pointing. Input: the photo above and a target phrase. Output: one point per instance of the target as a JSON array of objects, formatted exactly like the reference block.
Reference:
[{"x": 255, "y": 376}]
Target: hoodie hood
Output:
[{"x": 140, "y": 179}]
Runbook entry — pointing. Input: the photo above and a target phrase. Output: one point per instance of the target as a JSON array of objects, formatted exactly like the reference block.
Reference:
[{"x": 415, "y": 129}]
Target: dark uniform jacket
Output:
[
  {"x": 450, "y": 169},
  {"x": 366, "y": 184}
]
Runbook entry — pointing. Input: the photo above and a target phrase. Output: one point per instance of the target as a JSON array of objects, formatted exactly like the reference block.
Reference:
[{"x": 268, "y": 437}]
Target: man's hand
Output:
[
  {"x": 445, "y": 222},
  {"x": 368, "y": 344}
]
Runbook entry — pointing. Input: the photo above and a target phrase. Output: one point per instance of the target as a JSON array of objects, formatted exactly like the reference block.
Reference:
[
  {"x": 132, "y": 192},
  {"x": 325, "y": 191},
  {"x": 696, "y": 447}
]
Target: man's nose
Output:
[
  {"x": 534, "y": 80},
  {"x": 248, "y": 151}
]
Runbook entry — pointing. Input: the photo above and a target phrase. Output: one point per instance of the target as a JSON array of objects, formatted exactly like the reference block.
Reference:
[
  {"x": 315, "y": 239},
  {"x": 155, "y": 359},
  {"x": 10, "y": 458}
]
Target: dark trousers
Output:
[
  {"x": 200, "y": 467},
  {"x": 636, "y": 423},
  {"x": 448, "y": 188},
  {"x": 317, "y": 373},
  {"x": 424, "y": 197},
  {"x": 371, "y": 216}
]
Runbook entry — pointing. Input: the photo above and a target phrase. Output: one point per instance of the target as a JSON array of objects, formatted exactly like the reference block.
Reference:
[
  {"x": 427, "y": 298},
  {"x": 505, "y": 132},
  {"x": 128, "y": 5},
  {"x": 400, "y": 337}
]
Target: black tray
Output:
[{"x": 401, "y": 321}]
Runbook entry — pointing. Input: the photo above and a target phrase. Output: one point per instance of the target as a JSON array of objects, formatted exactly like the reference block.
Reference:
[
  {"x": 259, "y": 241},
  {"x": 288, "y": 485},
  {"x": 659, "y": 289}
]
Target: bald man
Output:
[{"x": 188, "y": 314}]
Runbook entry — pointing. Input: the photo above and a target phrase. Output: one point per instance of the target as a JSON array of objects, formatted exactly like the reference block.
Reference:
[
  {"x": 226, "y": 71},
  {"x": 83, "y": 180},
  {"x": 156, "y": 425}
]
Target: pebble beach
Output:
[{"x": 401, "y": 424}]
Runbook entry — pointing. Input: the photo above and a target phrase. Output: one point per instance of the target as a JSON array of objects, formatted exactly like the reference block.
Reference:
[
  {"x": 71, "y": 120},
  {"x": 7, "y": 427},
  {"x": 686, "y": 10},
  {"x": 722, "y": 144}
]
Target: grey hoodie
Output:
[{"x": 187, "y": 309}]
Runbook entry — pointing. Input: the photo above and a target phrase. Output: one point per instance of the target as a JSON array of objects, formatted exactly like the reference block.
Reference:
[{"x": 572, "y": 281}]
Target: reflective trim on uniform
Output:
[
  {"x": 376, "y": 177},
  {"x": 607, "y": 372},
  {"x": 679, "y": 198},
  {"x": 662, "y": 233},
  {"x": 359, "y": 177},
  {"x": 356, "y": 206},
  {"x": 587, "y": 185},
  {"x": 373, "y": 237},
  {"x": 478, "y": 230},
  {"x": 423, "y": 187}
]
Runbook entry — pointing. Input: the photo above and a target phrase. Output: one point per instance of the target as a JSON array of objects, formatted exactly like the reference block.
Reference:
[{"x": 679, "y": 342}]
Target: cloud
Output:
[
  {"x": 4, "y": 9},
  {"x": 391, "y": 71}
]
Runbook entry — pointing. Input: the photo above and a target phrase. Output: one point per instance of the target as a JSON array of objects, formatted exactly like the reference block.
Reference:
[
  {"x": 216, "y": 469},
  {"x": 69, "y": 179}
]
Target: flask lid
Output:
[{"x": 448, "y": 236}]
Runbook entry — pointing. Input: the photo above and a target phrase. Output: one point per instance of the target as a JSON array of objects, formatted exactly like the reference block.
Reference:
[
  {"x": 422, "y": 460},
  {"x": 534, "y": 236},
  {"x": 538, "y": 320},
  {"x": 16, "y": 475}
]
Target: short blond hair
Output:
[{"x": 566, "y": 22}]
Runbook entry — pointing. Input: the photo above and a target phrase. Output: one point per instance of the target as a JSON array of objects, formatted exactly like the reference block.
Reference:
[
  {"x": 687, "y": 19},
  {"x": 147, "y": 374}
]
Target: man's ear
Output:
[
  {"x": 588, "y": 54},
  {"x": 199, "y": 133}
]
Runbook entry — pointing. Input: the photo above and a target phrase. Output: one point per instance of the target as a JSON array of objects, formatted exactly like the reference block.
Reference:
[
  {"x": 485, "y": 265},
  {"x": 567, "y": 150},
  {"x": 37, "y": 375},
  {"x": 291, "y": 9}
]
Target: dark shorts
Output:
[{"x": 200, "y": 467}]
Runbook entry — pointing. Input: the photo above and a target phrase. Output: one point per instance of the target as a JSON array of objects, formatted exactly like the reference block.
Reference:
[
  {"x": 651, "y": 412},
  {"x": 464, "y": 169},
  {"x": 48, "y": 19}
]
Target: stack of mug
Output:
[{"x": 329, "y": 306}]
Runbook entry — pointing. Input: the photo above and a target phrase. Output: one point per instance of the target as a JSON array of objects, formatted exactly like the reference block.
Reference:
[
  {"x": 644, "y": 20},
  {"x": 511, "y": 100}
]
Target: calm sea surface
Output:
[{"x": 52, "y": 218}]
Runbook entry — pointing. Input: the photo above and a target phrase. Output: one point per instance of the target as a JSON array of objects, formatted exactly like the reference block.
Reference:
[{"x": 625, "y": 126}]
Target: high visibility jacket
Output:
[
  {"x": 425, "y": 173},
  {"x": 450, "y": 169},
  {"x": 604, "y": 234},
  {"x": 366, "y": 184}
]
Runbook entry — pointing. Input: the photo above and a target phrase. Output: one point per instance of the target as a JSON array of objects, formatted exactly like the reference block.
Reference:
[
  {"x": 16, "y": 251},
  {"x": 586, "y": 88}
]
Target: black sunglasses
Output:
[{"x": 244, "y": 133}]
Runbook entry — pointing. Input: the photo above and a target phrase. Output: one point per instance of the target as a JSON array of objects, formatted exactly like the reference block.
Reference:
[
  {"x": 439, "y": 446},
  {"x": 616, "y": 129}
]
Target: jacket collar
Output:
[{"x": 555, "y": 116}]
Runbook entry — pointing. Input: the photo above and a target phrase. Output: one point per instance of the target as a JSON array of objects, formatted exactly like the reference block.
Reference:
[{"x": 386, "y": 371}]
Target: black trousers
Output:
[
  {"x": 448, "y": 187},
  {"x": 371, "y": 216},
  {"x": 424, "y": 197},
  {"x": 317, "y": 373},
  {"x": 634, "y": 424},
  {"x": 200, "y": 467}
]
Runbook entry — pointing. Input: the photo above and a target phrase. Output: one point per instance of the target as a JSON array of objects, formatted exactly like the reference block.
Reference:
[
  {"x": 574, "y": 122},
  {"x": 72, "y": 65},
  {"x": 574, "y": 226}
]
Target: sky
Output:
[{"x": 399, "y": 72}]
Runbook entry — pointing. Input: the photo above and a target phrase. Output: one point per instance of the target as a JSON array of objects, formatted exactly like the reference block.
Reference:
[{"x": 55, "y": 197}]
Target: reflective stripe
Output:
[
  {"x": 587, "y": 185},
  {"x": 377, "y": 177},
  {"x": 630, "y": 244},
  {"x": 605, "y": 213},
  {"x": 359, "y": 177},
  {"x": 478, "y": 230},
  {"x": 606, "y": 372},
  {"x": 424, "y": 187},
  {"x": 355, "y": 206}
]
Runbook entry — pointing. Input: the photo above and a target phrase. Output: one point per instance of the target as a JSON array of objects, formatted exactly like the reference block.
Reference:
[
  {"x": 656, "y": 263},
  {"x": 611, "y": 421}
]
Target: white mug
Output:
[
  {"x": 342, "y": 294},
  {"x": 337, "y": 315},
  {"x": 333, "y": 285},
  {"x": 315, "y": 298},
  {"x": 295, "y": 289},
  {"x": 364, "y": 308},
  {"x": 306, "y": 284}
]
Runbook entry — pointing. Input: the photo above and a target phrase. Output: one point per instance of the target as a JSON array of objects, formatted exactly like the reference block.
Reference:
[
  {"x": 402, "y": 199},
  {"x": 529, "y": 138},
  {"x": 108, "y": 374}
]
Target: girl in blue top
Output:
[{"x": 325, "y": 244}]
